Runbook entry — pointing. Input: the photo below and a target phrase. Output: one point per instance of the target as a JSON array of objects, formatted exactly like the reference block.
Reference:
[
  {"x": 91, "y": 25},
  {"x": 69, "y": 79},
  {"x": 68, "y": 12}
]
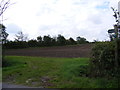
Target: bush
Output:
[
  {"x": 16, "y": 45},
  {"x": 102, "y": 61}
]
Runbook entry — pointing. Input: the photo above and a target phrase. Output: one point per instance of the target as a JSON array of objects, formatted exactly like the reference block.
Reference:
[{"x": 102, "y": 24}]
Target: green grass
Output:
[{"x": 52, "y": 73}]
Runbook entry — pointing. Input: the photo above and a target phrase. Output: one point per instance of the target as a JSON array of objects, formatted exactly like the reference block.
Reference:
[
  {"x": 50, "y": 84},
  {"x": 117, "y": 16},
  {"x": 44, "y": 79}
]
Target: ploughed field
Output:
[{"x": 82, "y": 50}]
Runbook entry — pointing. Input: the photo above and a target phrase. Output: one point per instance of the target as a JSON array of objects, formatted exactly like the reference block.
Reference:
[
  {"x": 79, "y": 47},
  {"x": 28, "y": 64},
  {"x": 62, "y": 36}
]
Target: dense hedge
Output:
[
  {"x": 45, "y": 41},
  {"x": 16, "y": 45},
  {"x": 102, "y": 61}
]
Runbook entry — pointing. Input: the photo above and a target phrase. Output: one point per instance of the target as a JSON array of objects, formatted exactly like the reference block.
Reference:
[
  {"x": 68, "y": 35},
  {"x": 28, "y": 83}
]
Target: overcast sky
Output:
[{"x": 71, "y": 18}]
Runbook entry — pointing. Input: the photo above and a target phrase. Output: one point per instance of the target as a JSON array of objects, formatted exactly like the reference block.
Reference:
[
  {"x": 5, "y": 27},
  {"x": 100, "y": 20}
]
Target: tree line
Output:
[{"x": 45, "y": 41}]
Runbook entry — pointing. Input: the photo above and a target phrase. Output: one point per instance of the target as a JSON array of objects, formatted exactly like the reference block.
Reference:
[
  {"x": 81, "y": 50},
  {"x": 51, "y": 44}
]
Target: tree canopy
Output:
[{"x": 45, "y": 41}]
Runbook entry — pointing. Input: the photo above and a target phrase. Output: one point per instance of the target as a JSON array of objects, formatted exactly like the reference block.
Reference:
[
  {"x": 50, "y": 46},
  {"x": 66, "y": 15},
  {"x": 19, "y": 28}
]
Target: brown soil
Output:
[{"x": 82, "y": 50}]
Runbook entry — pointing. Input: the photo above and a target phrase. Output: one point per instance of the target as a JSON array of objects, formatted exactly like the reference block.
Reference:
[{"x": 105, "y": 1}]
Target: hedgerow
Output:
[{"x": 102, "y": 61}]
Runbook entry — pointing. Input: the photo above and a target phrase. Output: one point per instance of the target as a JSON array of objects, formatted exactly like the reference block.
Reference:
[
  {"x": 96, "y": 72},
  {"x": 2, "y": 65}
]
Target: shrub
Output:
[
  {"x": 16, "y": 45},
  {"x": 102, "y": 61}
]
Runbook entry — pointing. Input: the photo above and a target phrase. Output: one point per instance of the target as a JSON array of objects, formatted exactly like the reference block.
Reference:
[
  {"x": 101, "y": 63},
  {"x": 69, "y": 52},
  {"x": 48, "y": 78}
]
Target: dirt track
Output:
[
  {"x": 82, "y": 50},
  {"x": 7, "y": 85}
]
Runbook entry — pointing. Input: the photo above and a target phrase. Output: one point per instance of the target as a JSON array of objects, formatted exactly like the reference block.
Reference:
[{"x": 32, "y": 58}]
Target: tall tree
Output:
[
  {"x": 39, "y": 39},
  {"x": 61, "y": 40},
  {"x": 72, "y": 41},
  {"x": 81, "y": 40},
  {"x": 47, "y": 40},
  {"x": 54, "y": 41}
]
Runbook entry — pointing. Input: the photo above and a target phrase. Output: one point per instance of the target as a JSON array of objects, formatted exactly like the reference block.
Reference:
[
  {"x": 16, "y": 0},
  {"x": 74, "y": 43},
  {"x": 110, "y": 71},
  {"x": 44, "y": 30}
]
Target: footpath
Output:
[{"x": 7, "y": 85}]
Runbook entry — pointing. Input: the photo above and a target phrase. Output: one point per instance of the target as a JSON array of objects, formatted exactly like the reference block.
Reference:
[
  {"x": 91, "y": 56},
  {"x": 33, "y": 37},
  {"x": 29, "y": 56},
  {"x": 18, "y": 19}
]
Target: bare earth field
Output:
[{"x": 82, "y": 50}]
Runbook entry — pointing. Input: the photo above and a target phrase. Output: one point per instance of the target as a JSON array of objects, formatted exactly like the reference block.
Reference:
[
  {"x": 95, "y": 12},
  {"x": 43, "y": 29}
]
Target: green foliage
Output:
[
  {"x": 16, "y": 44},
  {"x": 32, "y": 43},
  {"x": 39, "y": 41},
  {"x": 61, "y": 40},
  {"x": 45, "y": 41},
  {"x": 102, "y": 61},
  {"x": 39, "y": 38},
  {"x": 81, "y": 40},
  {"x": 71, "y": 41}
]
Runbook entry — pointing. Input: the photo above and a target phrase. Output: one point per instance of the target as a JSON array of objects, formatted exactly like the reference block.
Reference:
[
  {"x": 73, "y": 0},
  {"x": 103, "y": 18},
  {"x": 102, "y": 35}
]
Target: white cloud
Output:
[{"x": 71, "y": 18}]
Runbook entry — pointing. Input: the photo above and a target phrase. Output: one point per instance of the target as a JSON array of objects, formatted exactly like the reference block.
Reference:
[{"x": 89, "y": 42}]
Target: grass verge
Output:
[{"x": 52, "y": 73}]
